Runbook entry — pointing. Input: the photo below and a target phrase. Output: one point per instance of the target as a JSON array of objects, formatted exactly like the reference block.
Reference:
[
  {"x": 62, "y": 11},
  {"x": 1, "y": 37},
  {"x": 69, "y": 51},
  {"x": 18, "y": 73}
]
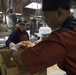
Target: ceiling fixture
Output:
[
  {"x": 34, "y": 5},
  {"x": 15, "y": 13},
  {"x": 18, "y": 13},
  {"x": 0, "y": 12},
  {"x": 72, "y": 10}
]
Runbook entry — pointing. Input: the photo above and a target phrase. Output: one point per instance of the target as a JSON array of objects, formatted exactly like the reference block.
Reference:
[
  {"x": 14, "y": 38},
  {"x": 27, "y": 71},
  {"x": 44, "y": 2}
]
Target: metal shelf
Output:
[{"x": 2, "y": 34}]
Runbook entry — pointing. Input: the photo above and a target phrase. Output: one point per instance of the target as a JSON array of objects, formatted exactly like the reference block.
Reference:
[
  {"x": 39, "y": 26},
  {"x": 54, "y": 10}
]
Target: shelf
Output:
[{"x": 2, "y": 34}]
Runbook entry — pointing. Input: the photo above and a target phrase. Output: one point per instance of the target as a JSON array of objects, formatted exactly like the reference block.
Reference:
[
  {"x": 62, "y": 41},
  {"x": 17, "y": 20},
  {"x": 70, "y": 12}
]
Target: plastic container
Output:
[{"x": 44, "y": 32}]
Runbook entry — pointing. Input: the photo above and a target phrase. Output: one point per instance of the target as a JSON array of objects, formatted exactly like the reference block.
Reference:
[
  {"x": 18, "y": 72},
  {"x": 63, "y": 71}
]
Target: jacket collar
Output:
[{"x": 69, "y": 22}]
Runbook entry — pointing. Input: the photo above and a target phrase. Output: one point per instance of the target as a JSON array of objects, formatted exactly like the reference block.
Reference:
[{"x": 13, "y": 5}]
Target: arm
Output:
[
  {"x": 10, "y": 39},
  {"x": 43, "y": 55},
  {"x": 26, "y": 34}
]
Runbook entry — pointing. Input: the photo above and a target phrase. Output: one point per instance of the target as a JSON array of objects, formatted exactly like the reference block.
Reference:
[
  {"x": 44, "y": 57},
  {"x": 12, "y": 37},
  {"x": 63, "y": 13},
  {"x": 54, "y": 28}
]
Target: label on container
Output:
[{"x": 44, "y": 36}]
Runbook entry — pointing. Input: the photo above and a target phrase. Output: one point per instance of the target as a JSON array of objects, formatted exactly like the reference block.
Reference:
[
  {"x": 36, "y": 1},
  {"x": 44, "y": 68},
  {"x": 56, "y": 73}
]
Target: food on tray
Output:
[{"x": 26, "y": 44}]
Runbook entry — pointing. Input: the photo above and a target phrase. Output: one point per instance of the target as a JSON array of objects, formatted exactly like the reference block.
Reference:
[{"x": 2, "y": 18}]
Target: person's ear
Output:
[{"x": 60, "y": 12}]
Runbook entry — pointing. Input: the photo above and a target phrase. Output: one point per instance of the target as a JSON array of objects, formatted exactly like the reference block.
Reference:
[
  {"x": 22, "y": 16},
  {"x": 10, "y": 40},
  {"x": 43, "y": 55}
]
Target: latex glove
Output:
[
  {"x": 18, "y": 47},
  {"x": 14, "y": 48},
  {"x": 11, "y": 45}
]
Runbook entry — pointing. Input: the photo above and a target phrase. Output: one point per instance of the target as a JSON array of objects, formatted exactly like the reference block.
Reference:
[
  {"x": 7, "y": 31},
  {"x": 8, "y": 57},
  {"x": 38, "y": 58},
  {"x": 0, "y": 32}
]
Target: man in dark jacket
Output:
[
  {"x": 17, "y": 35},
  {"x": 60, "y": 47}
]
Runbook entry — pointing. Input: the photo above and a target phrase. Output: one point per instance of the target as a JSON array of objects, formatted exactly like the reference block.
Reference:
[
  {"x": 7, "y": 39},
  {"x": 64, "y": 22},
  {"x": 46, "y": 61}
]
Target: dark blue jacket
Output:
[{"x": 15, "y": 36}]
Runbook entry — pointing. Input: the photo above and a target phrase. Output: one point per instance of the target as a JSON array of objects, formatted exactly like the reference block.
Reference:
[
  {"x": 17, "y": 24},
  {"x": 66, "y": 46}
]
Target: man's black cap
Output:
[
  {"x": 50, "y": 5},
  {"x": 22, "y": 22}
]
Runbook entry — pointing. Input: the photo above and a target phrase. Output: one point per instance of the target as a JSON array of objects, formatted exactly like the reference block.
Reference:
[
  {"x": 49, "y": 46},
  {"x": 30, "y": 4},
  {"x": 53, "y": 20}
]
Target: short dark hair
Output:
[{"x": 22, "y": 23}]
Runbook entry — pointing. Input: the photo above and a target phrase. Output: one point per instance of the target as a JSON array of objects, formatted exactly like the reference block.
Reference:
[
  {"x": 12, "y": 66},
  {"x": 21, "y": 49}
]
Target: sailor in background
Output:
[{"x": 18, "y": 34}]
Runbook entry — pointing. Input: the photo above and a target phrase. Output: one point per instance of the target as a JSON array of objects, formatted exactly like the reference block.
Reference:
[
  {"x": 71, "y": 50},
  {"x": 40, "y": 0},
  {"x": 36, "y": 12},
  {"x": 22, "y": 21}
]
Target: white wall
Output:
[{"x": 75, "y": 13}]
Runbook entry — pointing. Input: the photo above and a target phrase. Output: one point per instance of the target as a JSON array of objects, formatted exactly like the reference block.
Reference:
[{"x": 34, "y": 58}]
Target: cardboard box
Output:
[{"x": 9, "y": 67}]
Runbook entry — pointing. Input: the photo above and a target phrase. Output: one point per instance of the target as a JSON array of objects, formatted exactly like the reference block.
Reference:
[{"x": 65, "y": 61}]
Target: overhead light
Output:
[
  {"x": 18, "y": 13},
  {"x": 34, "y": 5},
  {"x": 1, "y": 39},
  {"x": 15, "y": 13},
  {"x": 72, "y": 10},
  {"x": 0, "y": 12},
  {"x": 38, "y": 16}
]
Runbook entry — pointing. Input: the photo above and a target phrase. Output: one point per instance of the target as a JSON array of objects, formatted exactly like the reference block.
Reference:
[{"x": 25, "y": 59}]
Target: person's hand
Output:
[
  {"x": 19, "y": 47},
  {"x": 11, "y": 45},
  {"x": 23, "y": 46},
  {"x": 28, "y": 43},
  {"x": 14, "y": 48}
]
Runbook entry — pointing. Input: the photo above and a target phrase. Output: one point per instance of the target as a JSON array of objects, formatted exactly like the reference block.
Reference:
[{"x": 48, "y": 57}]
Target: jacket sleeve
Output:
[
  {"x": 27, "y": 36},
  {"x": 10, "y": 39},
  {"x": 43, "y": 55}
]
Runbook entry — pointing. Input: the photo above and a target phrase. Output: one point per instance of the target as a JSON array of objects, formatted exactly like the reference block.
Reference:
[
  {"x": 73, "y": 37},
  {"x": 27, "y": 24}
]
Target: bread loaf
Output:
[{"x": 27, "y": 44}]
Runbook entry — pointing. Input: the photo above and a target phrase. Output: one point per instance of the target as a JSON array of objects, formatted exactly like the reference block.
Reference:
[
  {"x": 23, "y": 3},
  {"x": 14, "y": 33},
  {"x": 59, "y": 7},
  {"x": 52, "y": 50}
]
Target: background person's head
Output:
[
  {"x": 27, "y": 26},
  {"x": 21, "y": 24},
  {"x": 56, "y": 12}
]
